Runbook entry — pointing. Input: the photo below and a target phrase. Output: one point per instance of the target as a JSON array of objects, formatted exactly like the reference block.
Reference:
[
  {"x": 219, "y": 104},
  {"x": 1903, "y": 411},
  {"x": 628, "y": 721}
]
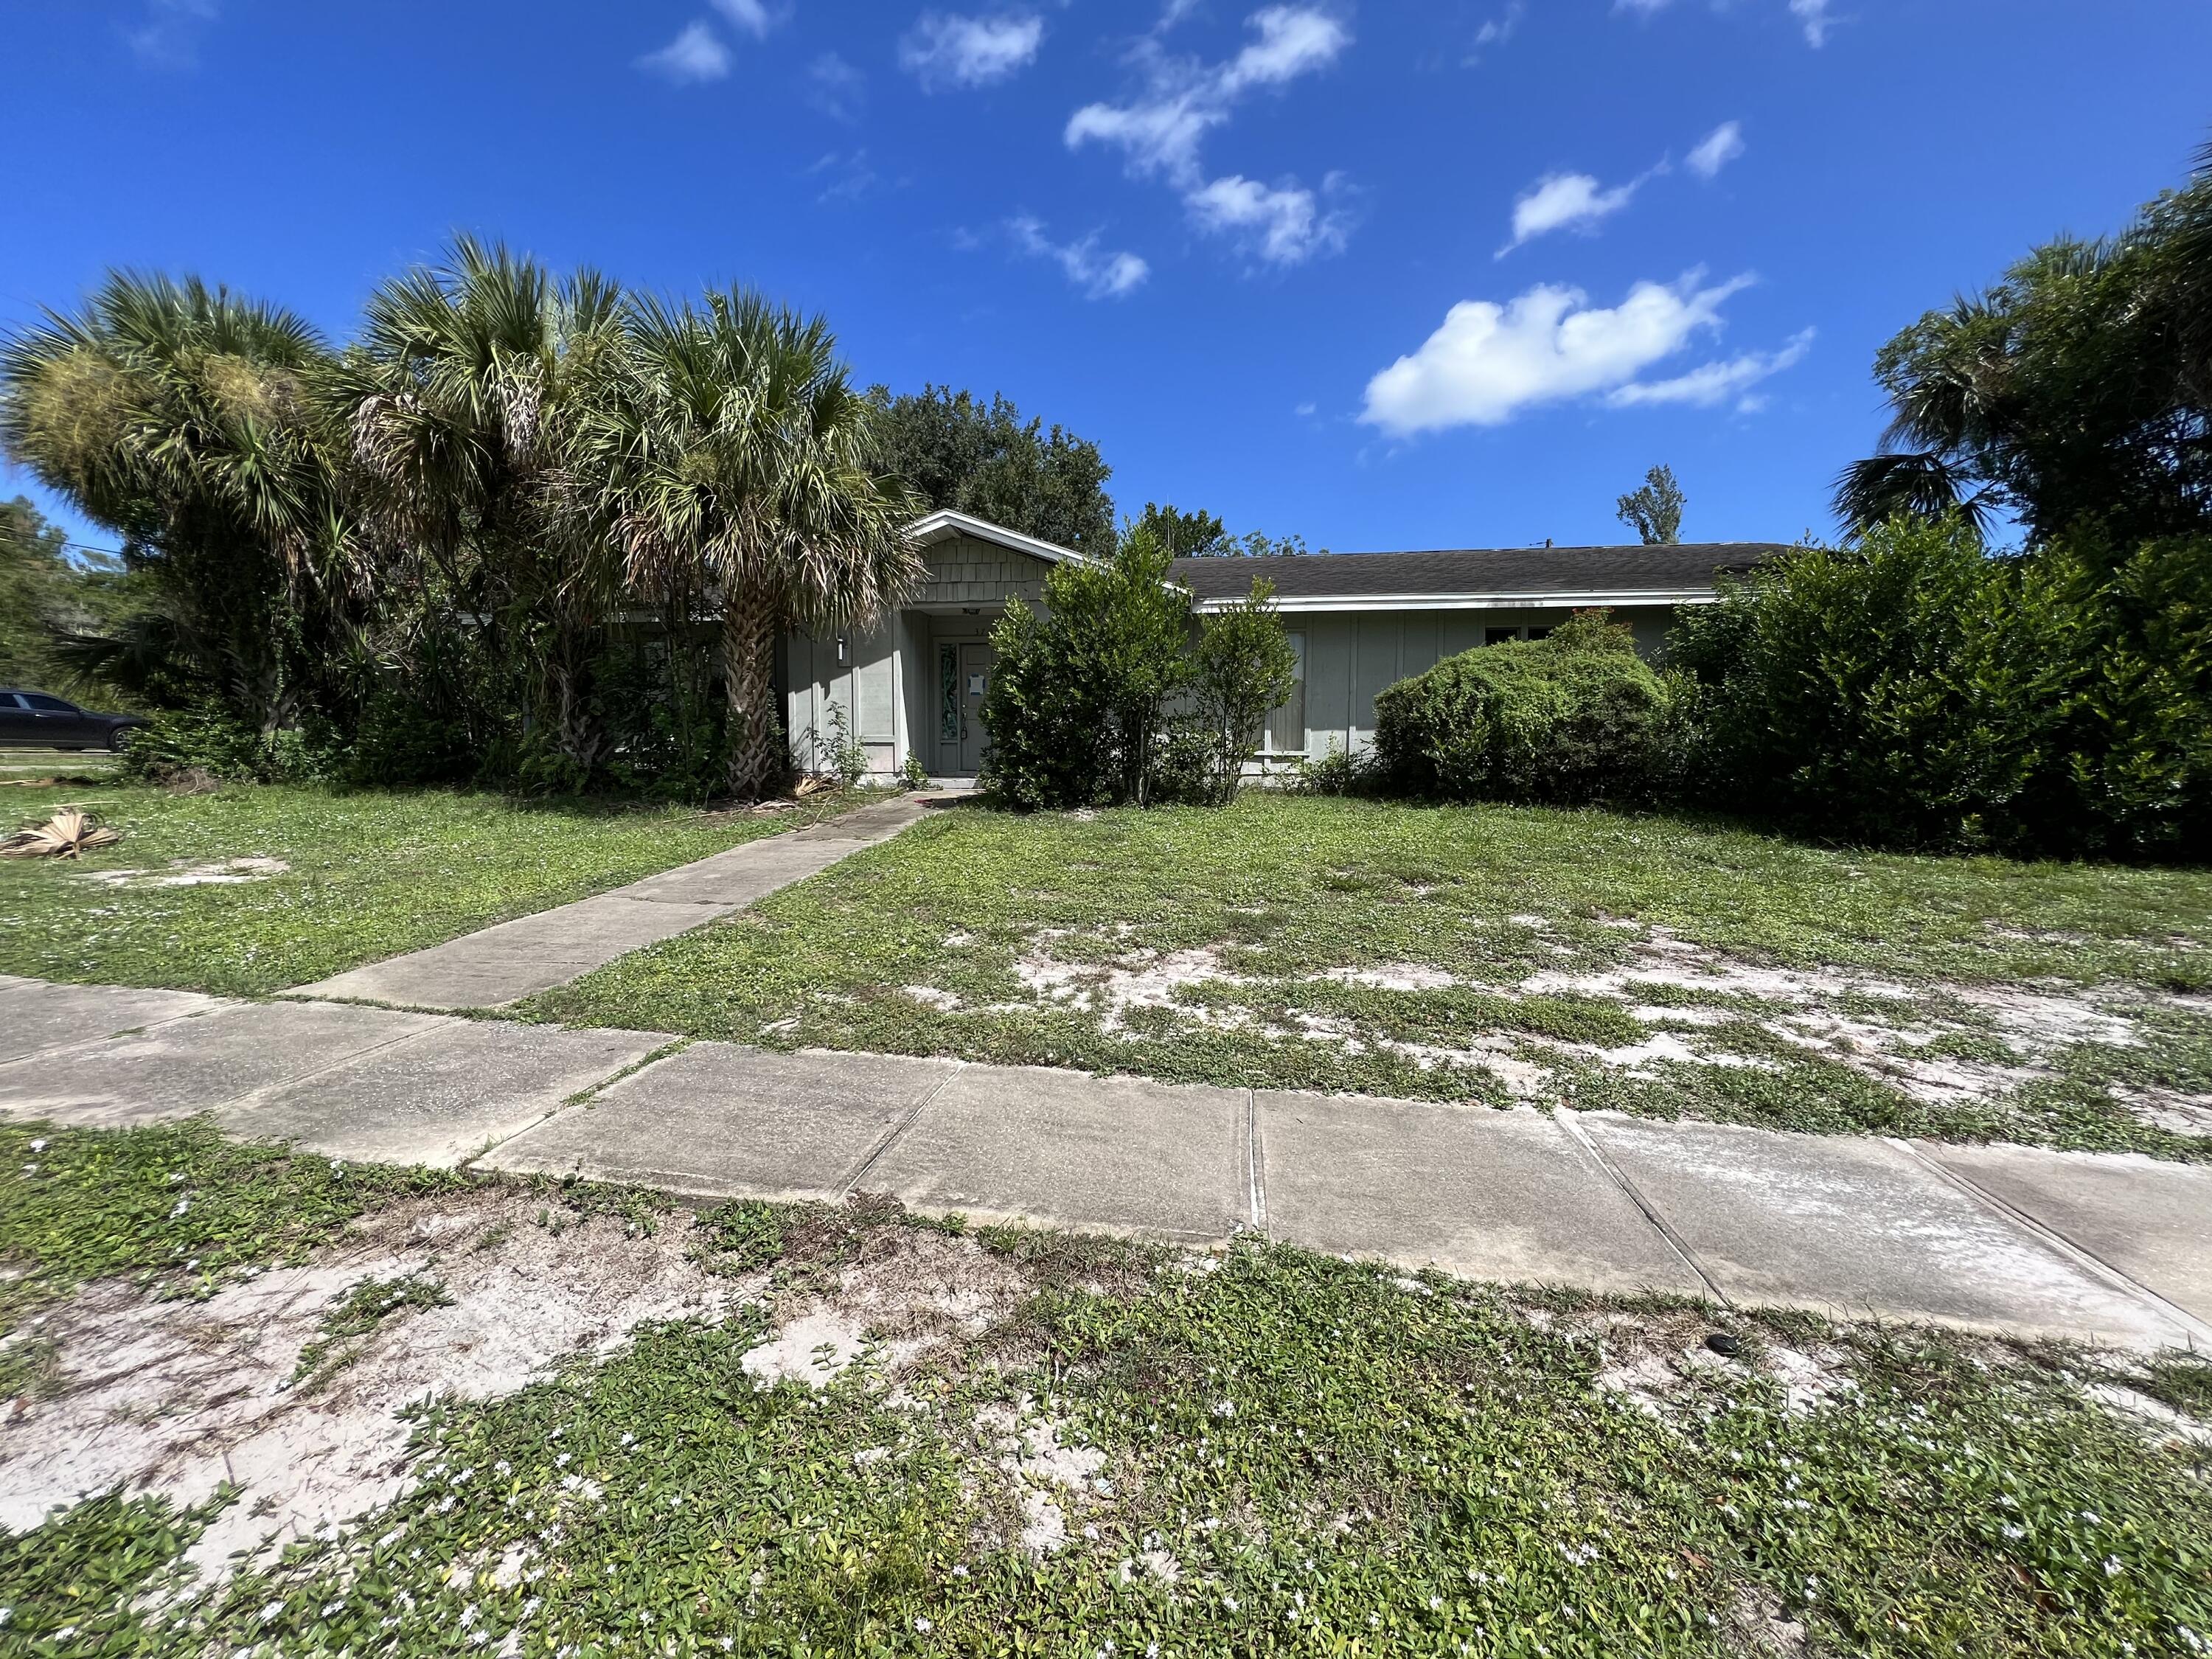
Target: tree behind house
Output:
[
  {"x": 1654, "y": 511},
  {"x": 955, "y": 452}
]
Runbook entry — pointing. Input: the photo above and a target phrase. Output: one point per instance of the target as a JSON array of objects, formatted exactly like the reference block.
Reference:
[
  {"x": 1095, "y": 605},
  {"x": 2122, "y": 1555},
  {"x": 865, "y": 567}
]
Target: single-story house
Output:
[{"x": 1359, "y": 621}]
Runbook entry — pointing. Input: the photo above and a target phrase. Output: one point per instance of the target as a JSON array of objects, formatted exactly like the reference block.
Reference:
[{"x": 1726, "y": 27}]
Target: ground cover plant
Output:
[
  {"x": 1652, "y": 963},
  {"x": 246, "y": 890},
  {"x": 879, "y": 1435}
]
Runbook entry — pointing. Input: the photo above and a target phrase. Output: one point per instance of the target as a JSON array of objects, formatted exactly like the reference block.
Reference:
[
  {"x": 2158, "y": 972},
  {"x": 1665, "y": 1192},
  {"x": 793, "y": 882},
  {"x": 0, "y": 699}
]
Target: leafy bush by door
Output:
[{"x": 1078, "y": 708}]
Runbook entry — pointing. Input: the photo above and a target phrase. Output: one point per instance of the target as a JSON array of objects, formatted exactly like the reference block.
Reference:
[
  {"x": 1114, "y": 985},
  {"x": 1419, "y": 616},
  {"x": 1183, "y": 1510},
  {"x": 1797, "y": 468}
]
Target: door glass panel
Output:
[{"x": 46, "y": 705}]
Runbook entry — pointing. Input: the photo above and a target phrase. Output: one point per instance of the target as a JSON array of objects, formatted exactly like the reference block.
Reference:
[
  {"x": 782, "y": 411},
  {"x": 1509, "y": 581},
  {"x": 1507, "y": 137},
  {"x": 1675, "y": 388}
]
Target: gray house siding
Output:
[
  {"x": 886, "y": 683},
  {"x": 1362, "y": 623}
]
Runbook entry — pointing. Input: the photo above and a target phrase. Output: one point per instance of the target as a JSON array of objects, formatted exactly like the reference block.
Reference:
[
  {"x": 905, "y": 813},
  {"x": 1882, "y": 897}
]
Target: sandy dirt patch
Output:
[{"x": 175, "y": 1398}]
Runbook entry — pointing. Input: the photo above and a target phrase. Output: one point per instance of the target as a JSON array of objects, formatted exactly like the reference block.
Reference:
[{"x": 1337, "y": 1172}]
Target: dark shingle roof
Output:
[{"x": 1503, "y": 570}]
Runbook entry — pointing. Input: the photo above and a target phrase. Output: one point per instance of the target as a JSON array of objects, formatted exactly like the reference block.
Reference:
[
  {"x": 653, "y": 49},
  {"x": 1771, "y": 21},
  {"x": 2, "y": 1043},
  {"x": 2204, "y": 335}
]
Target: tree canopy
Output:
[
  {"x": 1201, "y": 535},
  {"x": 494, "y": 535},
  {"x": 954, "y": 450},
  {"x": 2075, "y": 394},
  {"x": 1654, "y": 511}
]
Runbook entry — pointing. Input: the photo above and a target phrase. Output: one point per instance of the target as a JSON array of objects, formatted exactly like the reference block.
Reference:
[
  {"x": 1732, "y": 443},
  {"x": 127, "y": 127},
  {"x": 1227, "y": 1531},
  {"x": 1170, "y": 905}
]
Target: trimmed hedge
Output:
[{"x": 1573, "y": 719}]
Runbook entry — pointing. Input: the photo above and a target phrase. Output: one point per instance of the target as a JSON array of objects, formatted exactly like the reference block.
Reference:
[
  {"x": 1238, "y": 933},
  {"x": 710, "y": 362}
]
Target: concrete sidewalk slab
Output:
[
  {"x": 1504, "y": 1195},
  {"x": 197, "y": 1063},
  {"x": 2149, "y": 1219},
  {"x": 511, "y": 960},
  {"x": 35, "y": 1015},
  {"x": 1112, "y": 1154},
  {"x": 1856, "y": 1226},
  {"x": 717, "y": 1120},
  {"x": 440, "y": 1098},
  {"x": 516, "y": 959}
]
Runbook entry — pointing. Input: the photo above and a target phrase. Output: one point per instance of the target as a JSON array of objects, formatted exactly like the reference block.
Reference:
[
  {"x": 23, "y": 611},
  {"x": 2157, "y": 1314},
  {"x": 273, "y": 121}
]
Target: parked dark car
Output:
[{"x": 36, "y": 719}]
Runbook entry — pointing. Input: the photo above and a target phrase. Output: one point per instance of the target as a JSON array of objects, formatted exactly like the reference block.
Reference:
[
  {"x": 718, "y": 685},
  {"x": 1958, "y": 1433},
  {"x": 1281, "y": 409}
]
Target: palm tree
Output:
[
  {"x": 739, "y": 463},
  {"x": 466, "y": 398},
  {"x": 188, "y": 420}
]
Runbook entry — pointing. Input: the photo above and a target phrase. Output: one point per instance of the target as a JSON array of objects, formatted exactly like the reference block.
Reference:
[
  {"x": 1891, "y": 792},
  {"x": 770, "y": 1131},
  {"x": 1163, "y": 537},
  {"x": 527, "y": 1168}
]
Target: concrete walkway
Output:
[
  {"x": 520, "y": 958},
  {"x": 2011, "y": 1239}
]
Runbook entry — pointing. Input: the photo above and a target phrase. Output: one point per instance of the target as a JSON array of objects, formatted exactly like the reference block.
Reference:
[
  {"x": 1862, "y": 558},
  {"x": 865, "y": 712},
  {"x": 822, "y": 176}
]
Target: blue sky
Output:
[{"x": 1408, "y": 274}]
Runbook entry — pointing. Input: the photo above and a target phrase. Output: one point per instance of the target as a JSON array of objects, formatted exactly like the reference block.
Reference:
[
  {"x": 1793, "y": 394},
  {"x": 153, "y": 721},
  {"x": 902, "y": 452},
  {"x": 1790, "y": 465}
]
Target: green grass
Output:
[
  {"x": 1285, "y": 891},
  {"x": 1330, "y": 1459},
  {"x": 372, "y": 874}
]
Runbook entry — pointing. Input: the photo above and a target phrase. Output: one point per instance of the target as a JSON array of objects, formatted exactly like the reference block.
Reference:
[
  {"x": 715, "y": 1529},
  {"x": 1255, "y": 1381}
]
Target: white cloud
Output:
[
  {"x": 1717, "y": 149},
  {"x": 946, "y": 52},
  {"x": 169, "y": 36},
  {"x": 1497, "y": 30},
  {"x": 750, "y": 16},
  {"x": 844, "y": 178},
  {"x": 1160, "y": 132},
  {"x": 1813, "y": 15},
  {"x": 1306, "y": 409},
  {"x": 1294, "y": 41},
  {"x": 836, "y": 87},
  {"x": 1714, "y": 383},
  {"x": 1283, "y": 224},
  {"x": 1562, "y": 201},
  {"x": 1488, "y": 362},
  {"x": 1100, "y": 274},
  {"x": 698, "y": 54}
]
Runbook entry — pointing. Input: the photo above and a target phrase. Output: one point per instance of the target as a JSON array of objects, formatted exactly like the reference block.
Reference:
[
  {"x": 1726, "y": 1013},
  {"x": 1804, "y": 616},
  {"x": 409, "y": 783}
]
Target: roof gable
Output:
[{"x": 945, "y": 523}]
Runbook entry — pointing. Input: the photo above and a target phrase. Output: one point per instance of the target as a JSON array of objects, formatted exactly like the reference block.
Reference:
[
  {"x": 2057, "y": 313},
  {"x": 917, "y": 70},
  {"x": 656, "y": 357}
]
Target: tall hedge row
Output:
[{"x": 1915, "y": 690}]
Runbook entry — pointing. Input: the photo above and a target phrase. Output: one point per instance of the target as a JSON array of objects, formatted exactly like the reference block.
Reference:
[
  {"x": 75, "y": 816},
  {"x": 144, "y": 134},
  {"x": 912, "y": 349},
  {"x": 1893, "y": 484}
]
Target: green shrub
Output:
[
  {"x": 1242, "y": 668},
  {"x": 1574, "y": 718},
  {"x": 182, "y": 741},
  {"x": 1915, "y": 690},
  {"x": 1340, "y": 771},
  {"x": 1076, "y": 701}
]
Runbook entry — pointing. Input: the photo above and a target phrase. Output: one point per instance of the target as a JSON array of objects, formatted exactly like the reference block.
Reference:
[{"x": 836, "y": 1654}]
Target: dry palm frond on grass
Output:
[{"x": 70, "y": 833}]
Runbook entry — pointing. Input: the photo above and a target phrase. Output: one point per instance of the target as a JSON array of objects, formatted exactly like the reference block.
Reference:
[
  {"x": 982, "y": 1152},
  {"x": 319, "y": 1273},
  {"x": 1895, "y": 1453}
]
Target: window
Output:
[
  {"x": 1499, "y": 635},
  {"x": 9, "y": 700},
  {"x": 46, "y": 705},
  {"x": 1286, "y": 726}
]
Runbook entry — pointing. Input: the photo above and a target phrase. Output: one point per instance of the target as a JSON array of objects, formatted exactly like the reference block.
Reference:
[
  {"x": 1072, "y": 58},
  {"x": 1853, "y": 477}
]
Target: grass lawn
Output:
[
  {"x": 1647, "y": 963},
  {"x": 1040, "y": 1443},
  {"x": 364, "y": 875}
]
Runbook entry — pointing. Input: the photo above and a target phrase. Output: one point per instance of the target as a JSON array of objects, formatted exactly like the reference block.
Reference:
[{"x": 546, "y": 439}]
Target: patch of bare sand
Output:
[
  {"x": 177, "y": 1397},
  {"x": 911, "y": 1293}
]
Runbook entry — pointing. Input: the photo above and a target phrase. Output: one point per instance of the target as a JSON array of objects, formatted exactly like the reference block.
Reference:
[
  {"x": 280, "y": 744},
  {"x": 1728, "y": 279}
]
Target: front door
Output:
[{"x": 975, "y": 664}]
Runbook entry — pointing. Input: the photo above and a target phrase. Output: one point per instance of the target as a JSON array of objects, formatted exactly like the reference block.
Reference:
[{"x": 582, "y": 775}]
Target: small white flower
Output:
[
  {"x": 183, "y": 1205},
  {"x": 2112, "y": 1567},
  {"x": 273, "y": 1610},
  {"x": 36, "y": 1146},
  {"x": 960, "y": 1571},
  {"x": 923, "y": 1626}
]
